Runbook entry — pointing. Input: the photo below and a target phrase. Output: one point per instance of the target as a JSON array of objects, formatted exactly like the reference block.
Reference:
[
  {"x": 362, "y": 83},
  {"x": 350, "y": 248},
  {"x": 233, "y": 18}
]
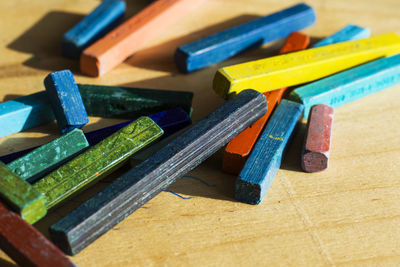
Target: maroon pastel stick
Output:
[
  {"x": 317, "y": 142},
  {"x": 26, "y": 245}
]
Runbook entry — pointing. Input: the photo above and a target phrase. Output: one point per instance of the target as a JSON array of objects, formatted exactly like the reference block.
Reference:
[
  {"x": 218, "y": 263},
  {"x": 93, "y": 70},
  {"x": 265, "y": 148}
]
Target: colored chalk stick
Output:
[
  {"x": 125, "y": 102},
  {"x": 25, "y": 112},
  {"x": 349, "y": 85},
  {"x": 223, "y": 45},
  {"x": 66, "y": 100},
  {"x": 94, "y": 26},
  {"x": 239, "y": 148},
  {"x": 317, "y": 142},
  {"x": 21, "y": 196},
  {"x": 303, "y": 66},
  {"x": 97, "y": 161},
  {"x": 348, "y": 33},
  {"x": 26, "y": 245},
  {"x": 265, "y": 159},
  {"x": 48, "y": 157},
  {"x": 127, "y": 193},
  {"x": 130, "y": 36}
]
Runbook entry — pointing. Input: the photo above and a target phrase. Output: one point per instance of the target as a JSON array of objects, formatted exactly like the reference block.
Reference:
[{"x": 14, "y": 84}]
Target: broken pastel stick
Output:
[
  {"x": 94, "y": 26},
  {"x": 349, "y": 85},
  {"x": 130, "y": 36},
  {"x": 125, "y": 102},
  {"x": 265, "y": 159},
  {"x": 21, "y": 196},
  {"x": 97, "y": 161},
  {"x": 348, "y": 33},
  {"x": 239, "y": 148},
  {"x": 26, "y": 245},
  {"x": 66, "y": 100},
  {"x": 317, "y": 142},
  {"x": 303, "y": 66},
  {"x": 223, "y": 45},
  {"x": 127, "y": 193},
  {"x": 48, "y": 157}
]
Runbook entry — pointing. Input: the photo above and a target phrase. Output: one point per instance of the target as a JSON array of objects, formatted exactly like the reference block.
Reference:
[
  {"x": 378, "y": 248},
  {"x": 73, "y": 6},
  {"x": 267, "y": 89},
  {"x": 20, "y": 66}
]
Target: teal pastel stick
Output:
[
  {"x": 348, "y": 33},
  {"x": 349, "y": 85}
]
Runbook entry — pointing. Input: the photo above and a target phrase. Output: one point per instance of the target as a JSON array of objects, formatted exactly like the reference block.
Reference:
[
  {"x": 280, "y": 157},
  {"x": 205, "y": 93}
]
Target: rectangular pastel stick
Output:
[
  {"x": 348, "y": 33},
  {"x": 66, "y": 100},
  {"x": 223, "y": 45},
  {"x": 24, "y": 113},
  {"x": 97, "y": 161},
  {"x": 21, "y": 196},
  {"x": 317, "y": 142},
  {"x": 130, "y": 36},
  {"x": 100, "y": 213},
  {"x": 239, "y": 148},
  {"x": 125, "y": 102},
  {"x": 265, "y": 159},
  {"x": 303, "y": 66},
  {"x": 349, "y": 85},
  {"x": 26, "y": 245},
  {"x": 48, "y": 157}
]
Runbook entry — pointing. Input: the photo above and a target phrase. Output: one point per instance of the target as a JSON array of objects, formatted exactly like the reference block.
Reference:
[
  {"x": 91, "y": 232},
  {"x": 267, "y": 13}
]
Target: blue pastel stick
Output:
[
  {"x": 348, "y": 33},
  {"x": 66, "y": 100},
  {"x": 25, "y": 112},
  {"x": 94, "y": 26},
  {"x": 223, "y": 45},
  {"x": 265, "y": 159},
  {"x": 349, "y": 85}
]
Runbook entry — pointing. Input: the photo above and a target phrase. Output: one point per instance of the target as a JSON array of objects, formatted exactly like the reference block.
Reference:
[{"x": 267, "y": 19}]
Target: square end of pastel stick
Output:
[
  {"x": 247, "y": 192},
  {"x": 181, "y": 58},
  {"x": 61, "y": 240},
  {"x": 222, "y": 83},
  {"x": 90, "y": 65},
  {"x": 69, "y": 49},
  {"x": 233, "y": 163},
  {"x": 35, "y": 210}
]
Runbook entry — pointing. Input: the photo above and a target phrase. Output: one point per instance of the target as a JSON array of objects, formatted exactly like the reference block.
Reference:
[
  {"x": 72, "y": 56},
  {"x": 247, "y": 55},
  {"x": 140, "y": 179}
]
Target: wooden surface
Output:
[{"x": 346, "y": 215}]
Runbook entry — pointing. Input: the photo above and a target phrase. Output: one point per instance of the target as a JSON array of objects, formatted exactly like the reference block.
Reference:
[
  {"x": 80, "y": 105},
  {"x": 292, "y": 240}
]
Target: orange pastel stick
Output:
[
  {"x": 239, "y": 148},
  {"x": 130, "y": 36}
]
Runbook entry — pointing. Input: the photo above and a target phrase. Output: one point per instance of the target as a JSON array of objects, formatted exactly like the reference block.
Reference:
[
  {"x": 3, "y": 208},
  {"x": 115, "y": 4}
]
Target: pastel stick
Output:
[
  {"x": 348, "y": 33},
  {"x": 223, "y": 45},
  {"x": 265, "y": 159},
  {"x": 100, "y": 213}
]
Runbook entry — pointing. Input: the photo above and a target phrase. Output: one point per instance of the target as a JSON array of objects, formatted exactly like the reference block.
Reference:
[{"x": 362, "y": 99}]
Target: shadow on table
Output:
[{"x": 5, "y": 263}]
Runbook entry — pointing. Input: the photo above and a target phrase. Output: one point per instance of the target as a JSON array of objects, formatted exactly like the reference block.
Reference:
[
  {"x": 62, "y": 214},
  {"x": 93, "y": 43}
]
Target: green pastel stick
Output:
[{"x": 97, "y": 161}]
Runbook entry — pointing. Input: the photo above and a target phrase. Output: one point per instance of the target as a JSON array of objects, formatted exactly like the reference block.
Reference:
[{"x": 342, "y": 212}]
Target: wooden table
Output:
[{"x": 347, "y": 215}]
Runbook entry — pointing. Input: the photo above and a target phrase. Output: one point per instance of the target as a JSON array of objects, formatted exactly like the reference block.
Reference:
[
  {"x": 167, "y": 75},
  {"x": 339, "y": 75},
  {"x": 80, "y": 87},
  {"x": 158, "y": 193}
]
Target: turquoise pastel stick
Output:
[{"x": 348, "y": 33}]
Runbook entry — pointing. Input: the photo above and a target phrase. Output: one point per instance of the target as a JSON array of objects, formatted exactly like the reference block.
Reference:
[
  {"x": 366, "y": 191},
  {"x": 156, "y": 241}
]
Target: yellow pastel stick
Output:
[{"x": 304, "y": 66}]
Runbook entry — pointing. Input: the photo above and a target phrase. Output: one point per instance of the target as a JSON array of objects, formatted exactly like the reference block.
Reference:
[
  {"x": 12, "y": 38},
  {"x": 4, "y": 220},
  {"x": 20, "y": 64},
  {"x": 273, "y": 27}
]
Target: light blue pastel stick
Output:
[
  {"x": 25, "y": 112},
  {"x": 94, "y": 26},
  {"x": 265, "y": 159},
  {"x": 349, "y": 85},
  {"x": 348, "y": 33}
]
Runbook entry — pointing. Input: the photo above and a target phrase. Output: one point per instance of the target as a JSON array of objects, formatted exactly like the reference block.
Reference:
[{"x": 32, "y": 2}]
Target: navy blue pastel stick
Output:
[
  {"x": 94, "y": 26},
  {"x": 225, "y": 44},
  {"x": 66, "y": 100},
  {"x": 265, "y": 158}
]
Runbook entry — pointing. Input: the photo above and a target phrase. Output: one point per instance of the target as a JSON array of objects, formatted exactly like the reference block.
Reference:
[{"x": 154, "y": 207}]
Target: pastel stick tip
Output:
[{"x": 313, "y": 161}]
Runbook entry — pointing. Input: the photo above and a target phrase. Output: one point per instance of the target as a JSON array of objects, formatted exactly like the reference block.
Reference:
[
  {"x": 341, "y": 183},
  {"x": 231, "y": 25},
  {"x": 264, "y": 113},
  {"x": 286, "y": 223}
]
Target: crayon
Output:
[
  {"x": 303, "y": 66},
  {"x": 317, "y": 142},
  {"x": 348, "y": 33},
  {"x": 130, "y": 36},
  {"x": 265, "y": 159},
  {"x": 127, "y": 193},
  {"x": 223, "y": 45}
]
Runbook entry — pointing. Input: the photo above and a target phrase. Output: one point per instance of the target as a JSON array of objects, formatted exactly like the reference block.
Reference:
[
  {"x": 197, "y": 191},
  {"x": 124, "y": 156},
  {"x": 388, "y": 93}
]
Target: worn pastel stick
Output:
[
  {"x": 348, "y": 33},
  {"x": 127, "y": 193},
  {"x": 94, "y": 26},
  {"x": 24, "y": 113},
  {"x": 239, "y": 148},
  {"x": 21, "y": 196},
  {"x": 349, "y": 85},
  {"x": 26, "y": 245},
  {"x": 317, "y": 142},
  {"x": 97, "y": 161},
  {"x": 265, "y": 159},
  {"x": 50, "y": 156},
  {"x": 66, "y": 100},
  {"x": 125, "y": 102},
  {"x": 223, "y": 45},
  {"x": 303, "y": 66},
  {"x": 130, "y": 36}
]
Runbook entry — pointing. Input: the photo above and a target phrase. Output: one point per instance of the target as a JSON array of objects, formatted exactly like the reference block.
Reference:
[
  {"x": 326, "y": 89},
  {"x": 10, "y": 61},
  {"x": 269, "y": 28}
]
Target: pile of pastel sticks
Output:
[{"x": 255, "y": 123}]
